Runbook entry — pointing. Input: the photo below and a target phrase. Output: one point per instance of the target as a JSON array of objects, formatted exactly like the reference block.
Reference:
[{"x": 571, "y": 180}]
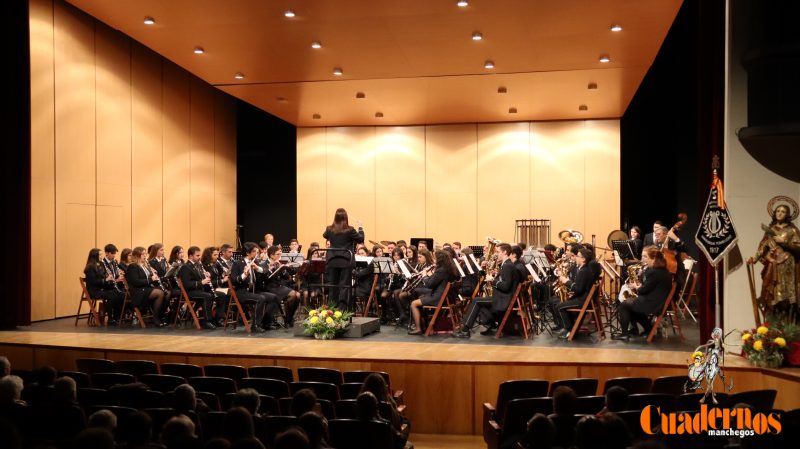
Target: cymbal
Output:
[
  {"x": 376, "y": 244},
  {"x": 387, "y": 243}
]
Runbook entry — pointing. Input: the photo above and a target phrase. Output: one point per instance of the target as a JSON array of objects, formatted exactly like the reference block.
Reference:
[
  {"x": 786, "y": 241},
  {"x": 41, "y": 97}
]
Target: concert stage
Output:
[{"x": 446, "y": 380}]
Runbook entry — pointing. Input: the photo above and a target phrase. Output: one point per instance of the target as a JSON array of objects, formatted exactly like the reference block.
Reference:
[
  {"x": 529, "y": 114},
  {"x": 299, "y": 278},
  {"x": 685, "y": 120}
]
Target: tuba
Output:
[{"x": 570, "y": 236}]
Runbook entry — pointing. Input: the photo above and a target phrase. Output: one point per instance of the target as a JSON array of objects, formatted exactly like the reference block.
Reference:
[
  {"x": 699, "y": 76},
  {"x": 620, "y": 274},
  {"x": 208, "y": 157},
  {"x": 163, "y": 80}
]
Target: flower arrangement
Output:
[
  {"x": 326, "y": 323},
  {"x": 764, "y": 346}
]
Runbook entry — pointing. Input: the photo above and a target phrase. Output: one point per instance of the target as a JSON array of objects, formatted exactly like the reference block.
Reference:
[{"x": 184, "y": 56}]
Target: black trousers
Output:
[
  {"x": 566, "y": 318},
  {"x": 113, "y": 300},
  {"x": 264, "y": 304},
  {"x": 480, "y": 307},
  {"x": 341, "y": 277},
  {"x": 628, "y": 314},
  {"x": 206, "y": 300}
]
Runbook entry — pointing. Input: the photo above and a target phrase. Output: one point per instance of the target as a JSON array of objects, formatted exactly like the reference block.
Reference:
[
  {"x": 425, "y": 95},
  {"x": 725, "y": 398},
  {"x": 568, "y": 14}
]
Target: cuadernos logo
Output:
[{"x": 740, "y": 422}]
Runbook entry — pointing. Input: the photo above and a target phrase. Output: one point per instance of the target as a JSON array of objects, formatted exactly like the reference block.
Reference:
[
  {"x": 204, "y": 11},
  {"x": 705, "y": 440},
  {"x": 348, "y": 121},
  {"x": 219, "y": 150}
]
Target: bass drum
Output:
[{"x": 616, "y": 235}]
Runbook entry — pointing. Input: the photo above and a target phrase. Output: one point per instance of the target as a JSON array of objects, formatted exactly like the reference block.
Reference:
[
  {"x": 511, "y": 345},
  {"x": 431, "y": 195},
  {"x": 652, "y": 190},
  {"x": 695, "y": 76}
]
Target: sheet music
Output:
[
  {"x": 467, "y": 264},
  {"x": 382, "y": 264},
  {"x": 404, "y": 268},
  {"x": 363, "y": 260},
  {"x": 460, "y": 271},
  {"x": 536, "y": 277},
  {"x": 475, "y": 261},
  {"x": 618, "y": 259}
]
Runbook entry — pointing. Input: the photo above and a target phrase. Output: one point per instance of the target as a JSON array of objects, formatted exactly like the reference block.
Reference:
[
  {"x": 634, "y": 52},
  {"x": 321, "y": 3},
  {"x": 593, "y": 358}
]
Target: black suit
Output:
[
  {"x": 656, "y": 284},
  {"x": 191, "y": 275},
  {"x": 138, "y": 284},
  {"x": 648, "y": 240},
  {"x": 470, "y": 281},
  {"x": 276, "y": 286},
  {"x": 339, "y": 265},
  {"x": 221, "y": 299},
  {"x": 266, "y": 304},
  {"x": 579, "y": 289},
  {"x": 99, "y": 288},
  {"x": 505, "y": 284},
  {"x": 434, "y": 286}
]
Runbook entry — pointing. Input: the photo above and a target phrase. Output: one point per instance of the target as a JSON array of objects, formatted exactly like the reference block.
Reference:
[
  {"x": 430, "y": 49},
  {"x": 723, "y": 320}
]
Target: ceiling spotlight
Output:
[
  {"x": 337, "y": 71},
  {"x": 316, "y": 44},
  {"x": 199, "y": 50},
  {"x": 239, "y": 76},
  {"x": 512, "y": 110},
  {"x": 379, "y": 115},
  {"x": 488, "y": 64},
  {"x": 289, "y": 13},
  {"x": 616, "y": 28},
  {"x": 476, "y": 36},
  {"x": 149, "y": 20},
  {"x": 583, "y": 107},
  {"x": 361, "y": 95},
  {"x": 605, "y": 58},
  {"x": 592, "y": 86},
  {"x": 462, "y": 3},
  {"x": 316, "y": 116},
  {"x": 501, "y": 90}
]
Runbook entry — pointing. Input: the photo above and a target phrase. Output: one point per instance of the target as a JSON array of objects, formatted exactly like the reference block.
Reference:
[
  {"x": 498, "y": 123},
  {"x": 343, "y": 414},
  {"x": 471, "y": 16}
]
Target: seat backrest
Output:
[
  {"x": 81, "y": 379},
  {"x": 691, "y": 401},
  {"x": 350, "y": 390},
  {"x": 271, "y": 372},
  {"x": 137, "y": 368},
  {"x": 370, "y": 434},
  {"x": 164, "y": 383},
  {"x": 92, "y": 366},
  {"x": 84, "y": 290},
  {"x": 213, "y": 424},
  {"x": 518, "y": 389},
  {"x": 346, "y": 409},
  {"x": 361, "y": 376},
  {"x": 220, "y": 386},
  {"x": 639, "y": 401},
  {"x": 270, "y": 387},
  {"x": 230, "y": 371},
  {"x": 633, "y": 385},
  {"x": 581, "y": 386},
  {"x": 93, "y": 396},
  {"x": 321, "y": 389},
  {"x": 184, "y": 370},
  {"x": 327, "y": 407},
  {"x": 276, "y": 425},
  {"x": 108, "y": 380},
  {"x": 758, "y": 399},
  {"x": 589, "y": 405},
  {"x": 211, "y": 400},
  {"x": 519, "y": 411},
  {"x": 327, "y": 375},
  {"x": 668, "y": 385}
]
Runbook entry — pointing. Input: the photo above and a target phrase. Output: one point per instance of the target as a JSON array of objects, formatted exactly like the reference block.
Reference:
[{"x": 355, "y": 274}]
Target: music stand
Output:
[
  {"x": 294, "y": 257},
  {"x": 477, "y": 250},
  {"x": 382, "y": 265},
  {"x": 624, "y": 248}
]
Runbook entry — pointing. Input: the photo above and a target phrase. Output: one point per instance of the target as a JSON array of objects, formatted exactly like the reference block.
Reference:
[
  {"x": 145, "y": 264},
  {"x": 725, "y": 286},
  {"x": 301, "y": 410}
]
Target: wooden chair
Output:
[
  {"x": 591, "y": 300},
  {"x": 126, "y": 302},
  {"x": 669, "y": 310},
  {"x": 371, "y": 300},
  {"x": 237, "y": 314},
  {"x": 189, "y": 306},
  {"x": 95, "y": 317},
  {"x": 516, "y": 305},
  {"x": 443, "y": 304}
]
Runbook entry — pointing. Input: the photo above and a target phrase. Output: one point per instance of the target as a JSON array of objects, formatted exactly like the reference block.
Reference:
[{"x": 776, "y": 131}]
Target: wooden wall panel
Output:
[
  {"x": 350, "y": 176},
  {"x": 451, "y": 174},
  {"x": 43, "y": 189},
  {"x": 77, "y": 229},
  {"x": 503, "y": 178},
  {"x": 312, "y": 214},
  {"x": 601, "y": 147},
  {"x": 177, "y": 172},
  {"x": 399, "y": 182},
  {"x": 224, "y": 169},
  {"x": 202, "y": 166},
  {"x": 147, "y": 129}
]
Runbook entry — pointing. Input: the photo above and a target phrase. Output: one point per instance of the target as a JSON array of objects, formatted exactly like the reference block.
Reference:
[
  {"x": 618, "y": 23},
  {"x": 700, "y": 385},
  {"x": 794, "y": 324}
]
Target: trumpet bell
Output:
[{"x": 570, "y": 236}]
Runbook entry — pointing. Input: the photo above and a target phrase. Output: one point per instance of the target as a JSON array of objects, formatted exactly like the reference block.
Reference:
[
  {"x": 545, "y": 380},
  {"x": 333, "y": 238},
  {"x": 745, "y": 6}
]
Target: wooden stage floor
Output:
[{"x": 446, "y": 380}]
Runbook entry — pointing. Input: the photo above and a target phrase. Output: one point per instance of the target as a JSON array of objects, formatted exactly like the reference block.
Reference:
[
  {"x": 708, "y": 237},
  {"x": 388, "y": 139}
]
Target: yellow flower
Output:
[
  {"x": 329, "y": 320},
  {"x": 780, "y": 342},
  {"x": 746, "y": 337},
  {"x": 312, "y": 312},
  {"x": 314, "y": 320},
  {"x": 758, "y": 345},
  {"x": 337, "y": 314},
  {"x": 762, "y": 330}
]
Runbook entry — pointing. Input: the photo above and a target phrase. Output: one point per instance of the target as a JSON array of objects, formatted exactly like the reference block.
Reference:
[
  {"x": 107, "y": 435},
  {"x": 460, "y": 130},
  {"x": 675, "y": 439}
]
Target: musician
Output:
[
  {"x": 276, "y": 284},
  {"x": 649, "y": 239},
  {"x": 219, "y": 279},
  {"x": 411, "y": 256},
  {"x": 364, "y": 276},
  {"x": 243, "y": 276},
  {"x": 340, "y": 263},
  {"x": 175, "y": 261},
  {"x": 100, "y": 283},
  {"x": 377, "y": 251},
  {"x": 433, "y": 287},
  {"x": 310, "y": 293},
  {"x": 597, "y": 270},
  {"x": 491, "y": 307},
  {"x": 470, "y": 281},
  {"x": 294, "y": 246},
  {"x": 664, "y": 234},
  {"x": 141, "y": 280},
  {"x": 226, "y": 257},
  {"x": 124, "y": 258},
  {"x": 269, "y": 240},
  {"x": 197, "y": 284},
  {"x": 396, "y": 281},
  {"x": 635, "y": 234},
  {"x": 653, "y": 292},
  {"x": 402, "y": 244},
  {"x": 390, "y": 247},
  {"x": 584, "y": 279},
  {"x": 159, "y": 264},
  {"x": 422, "y": 244},
  {"x": 457, "y": 248},
  {"x": 110, "y": 263}
]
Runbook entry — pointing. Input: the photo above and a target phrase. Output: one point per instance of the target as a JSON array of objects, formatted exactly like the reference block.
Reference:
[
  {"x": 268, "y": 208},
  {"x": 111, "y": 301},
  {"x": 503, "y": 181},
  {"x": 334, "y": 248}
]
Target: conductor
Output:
[{"x": 339, "y": 258}]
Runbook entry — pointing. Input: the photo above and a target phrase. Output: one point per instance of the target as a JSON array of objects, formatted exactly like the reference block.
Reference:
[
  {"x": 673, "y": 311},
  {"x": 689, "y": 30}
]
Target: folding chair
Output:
[
  {"x": 669, "y": 310},
  {"x": 189, "y": 304},
  {"x": 516, "y": 305},
  {"x": 371, "y": 300},
  {"x": 233, "y": 316},
  {"x": 126, "y": 302},
  {"x": 444, "y": 299},
  {"x": 95, "y": 317},
  {"x": 594, "y": 311}
]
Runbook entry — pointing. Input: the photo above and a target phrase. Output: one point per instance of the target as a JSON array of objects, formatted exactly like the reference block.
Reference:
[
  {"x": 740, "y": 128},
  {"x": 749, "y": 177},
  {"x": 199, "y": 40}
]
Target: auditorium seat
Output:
[
  {"x": 514, "y": 426},
  {"x": 321, "y": 389},
  {"x": 327, "y": 408},
  {"x": 271, "y": 372},
  {"x": 517, "y": 389},
  {"x": 269, "y": 405},
  {"x": 164, "y": 383},
  {"x": 669, "y": 385},
  {"x": 92, "y": 396},
  {"x": 633, "y": 385},
  {"x": 185, "y": 370},
  {"x": 92, "y": 366},
  {"x": 211, "y": 400},
  {"x": 691, "y": 401},
  {"x": 581, "y": 386},
  {"x": 230, "y": 371},
  {"x": 346, "y": 409},
  {"x": 350, "y": 390},
  {"x": 137, "y": 368},
  {"x": 219, "y": 386},
  {"x": 326, "y": 375},
  {"x": 160, "y": 416},
  {"x": 589, "y": 405},
  {"x": 361, "y": 376},
  {"x": 213, "y": 424},
  {"x": 108, "y": 380},
  {"x": 116, "y": 410},
  {"x": 278, "y": 424},
  {"x": 371, "y": 434},
  {"x": 270, "y": 387},
  {"x": 81, "y": 379},
  {"x": 136, "y": 398},
  {"x": 639, "y": 401},
  {"x": 758, "y": 399},
  {"x": 632, "y": 419}
]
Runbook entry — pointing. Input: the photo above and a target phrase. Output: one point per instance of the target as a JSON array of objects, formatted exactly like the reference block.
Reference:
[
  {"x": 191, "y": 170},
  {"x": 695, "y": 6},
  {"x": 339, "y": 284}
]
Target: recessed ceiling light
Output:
[
  {"x": 512, "y": 110},
  {"x": 476, "y": 36},
  {"x": 361, "y": 95},
  {"x": 149, "y": 20},
  {"x": 337, "y": 71},
  {"x": 379, "y": 114},
  {"x": 605, "y": 58},
  {"x": 289, "y": 13},
  {"x": 316, "y": 116},
  {"x": 501, "y": 90},
  {"x": 239, "y": 76},
  {"x": 316, "y": 44},
  {"x": 616, "y": 28},
  {"x": 462, "y": 3},
  {"x": 592, "y": 86},
  {"x": 583, "y": 107},
  {"x": 199, "y": 50},
  {"x": 488, "y": 64}
]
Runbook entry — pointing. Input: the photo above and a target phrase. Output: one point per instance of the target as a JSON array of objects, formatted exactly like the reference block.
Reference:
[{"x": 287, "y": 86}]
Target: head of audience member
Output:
[
  {"x": 303, "y": 401},
  {"x": 616, "y": 399},
  {"x": 375, "y": 384},
  {"x": 184, "y": 398},
  {"x": 590, "y": 433},
  {"x": 217, "y": 443},
  {"x": 66, "y": 389},
  {"x": 293, "y": 438},
  {"x": 366, "y": 406},
  {"x": 10, "y": 389},
  {"x": 45, "y": 376},
  {"x": 618, "y": 436},
  {"x": 136, "y": 429},
  {"x": 93, "y": 438},
  {"x": 314, "y": 427},
  {"x": 238, "y": 424},
  {"x": 178, "y": 432},
  {"x": 5, "y": 366},
  {"x": 247, "y": 443},
  {"x": 541, "y": 432},
  {"x": 103, "y": 419},
  {"x": 249, "y": 399},
  {"x": 564, "y": 401}
]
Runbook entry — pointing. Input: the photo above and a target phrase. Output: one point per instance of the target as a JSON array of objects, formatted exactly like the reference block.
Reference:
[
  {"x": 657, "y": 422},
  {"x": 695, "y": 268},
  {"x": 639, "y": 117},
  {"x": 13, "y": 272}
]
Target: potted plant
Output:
[
  {"x": 764, "y": 346},
  {"x": 326, "y": 323}
]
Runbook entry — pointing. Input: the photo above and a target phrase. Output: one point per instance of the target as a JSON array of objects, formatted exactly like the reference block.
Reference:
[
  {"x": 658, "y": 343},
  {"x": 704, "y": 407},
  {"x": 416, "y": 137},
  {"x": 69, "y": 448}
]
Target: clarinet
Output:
[
  {"x": 111, "y": 273},
  {"x": 206, "y": 274},
  {"x": 150, "y": 277}
]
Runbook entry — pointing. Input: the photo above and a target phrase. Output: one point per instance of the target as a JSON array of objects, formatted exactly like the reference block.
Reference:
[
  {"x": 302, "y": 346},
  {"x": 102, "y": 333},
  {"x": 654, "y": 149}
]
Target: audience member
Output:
[
  {"x": 564, "y": 401},
  {"x": 238, "y": 425},
  {"x": 93, "y": 439},
  {"x": 5, "y": 366},
  {"x": 367, "y": 410},
  {"x": 304, "y": 401},
  {"x": 618, "y": 436},
  {"x": 293, "y": 438},
  {"x": 136, "y": 431},
  {"x": 541, "y": 433},
  {"x": 179, "y": 433},
  {"x": 375, "y": 384},
  {"x": 11, "y": 391},
  {"x": 589, "y": 433},
  {"x": 249, "y": 399},
  {"x": 314, "y": 427},
  {"x": 103, "y": 419},
  {"x": 616, "y": 400}
]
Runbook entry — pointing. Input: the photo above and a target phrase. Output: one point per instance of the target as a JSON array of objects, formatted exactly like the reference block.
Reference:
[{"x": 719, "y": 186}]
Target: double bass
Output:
[{"x": 669, "y": 255}]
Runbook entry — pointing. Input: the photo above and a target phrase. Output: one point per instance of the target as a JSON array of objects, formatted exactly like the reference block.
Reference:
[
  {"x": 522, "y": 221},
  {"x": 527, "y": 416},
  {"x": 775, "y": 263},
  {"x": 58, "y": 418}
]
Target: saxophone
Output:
[
  {"x": 491, "y": 263},
  {"x": 634, "y": 277},
  {"x": 563, "y": 265}
]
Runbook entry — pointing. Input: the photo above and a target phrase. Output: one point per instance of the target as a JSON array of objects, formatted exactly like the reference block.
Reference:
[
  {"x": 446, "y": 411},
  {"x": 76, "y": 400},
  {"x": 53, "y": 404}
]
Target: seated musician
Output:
[
  {"x": 635, "y": 234},
  {"x": 597, "y": 270},
  {"x": 491, "y": 307},
  {"x": 294, "y": 246},
  {"x": 197, "y": 284},
  {"x": 158, "y": 263},
  {"x": 422, "y": 260},
  {"x": 219, "y": 280},
  {"x": 243, "y": 276},
  {"x": 269, "y": 240},
  {"x": 433, "y": 287},
  {"x": 578, "y": 290},
  {"x": 310, "y": 291},
  {"x": 174, "y": 263},
  {"x": 110, "y": 263},
  {"x": 101, "y": 284},
  {"x": 652, "y": 293},
  {"x": 143, "y": 286},
  {"x": 125, "y": 258},
  {"x": 226, "y": 257},
  {"x": 390, "y": 247},
  {"x": 470, "y": 280},
  {"x": 566, "y": 280},
  {"x": 364, "y": 276},
  {"x": 382, "y": 290},
  {"x": 457, "y": 248},
  {"x": 277, "y": 284}
]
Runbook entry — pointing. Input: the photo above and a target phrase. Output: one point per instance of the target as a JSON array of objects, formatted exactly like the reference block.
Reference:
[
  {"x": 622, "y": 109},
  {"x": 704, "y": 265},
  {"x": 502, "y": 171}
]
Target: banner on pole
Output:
[{"x": 716, "y": 234}]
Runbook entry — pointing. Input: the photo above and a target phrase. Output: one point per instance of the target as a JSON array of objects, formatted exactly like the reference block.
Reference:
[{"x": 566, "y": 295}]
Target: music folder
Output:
[
  {"x": 467, "y": 264},
  {"x": 532, "y": 271},
  {"x": 460, "y": 270},
  {"x": 363, "y": 261},
  {"x": 382, "y": 264}
]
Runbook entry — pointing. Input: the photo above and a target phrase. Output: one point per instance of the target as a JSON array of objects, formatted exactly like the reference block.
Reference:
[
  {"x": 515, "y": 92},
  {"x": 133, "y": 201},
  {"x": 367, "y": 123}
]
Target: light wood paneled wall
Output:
[
  {"x": 126, "y": 148},
  {"x": 460, "y": 182}
]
